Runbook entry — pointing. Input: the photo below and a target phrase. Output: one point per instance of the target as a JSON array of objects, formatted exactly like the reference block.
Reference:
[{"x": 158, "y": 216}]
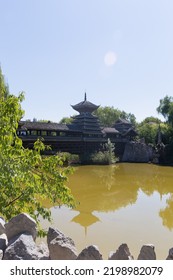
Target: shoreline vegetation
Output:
[{"x": 105, "y": 156}]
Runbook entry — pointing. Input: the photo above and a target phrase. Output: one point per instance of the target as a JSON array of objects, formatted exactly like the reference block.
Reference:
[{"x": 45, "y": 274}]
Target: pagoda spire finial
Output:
[{"x": 85, "y": 97}]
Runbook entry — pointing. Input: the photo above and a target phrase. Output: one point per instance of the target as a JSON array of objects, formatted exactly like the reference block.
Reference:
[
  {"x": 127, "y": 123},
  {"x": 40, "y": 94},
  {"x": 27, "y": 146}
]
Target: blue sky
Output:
[{"x": 119, "y": 51}]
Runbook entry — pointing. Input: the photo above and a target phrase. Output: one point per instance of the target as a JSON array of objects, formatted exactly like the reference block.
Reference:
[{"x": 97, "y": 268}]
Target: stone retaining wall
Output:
[
  {"x": 138, "y": 152},
  {"x": 17, "y": 242}
]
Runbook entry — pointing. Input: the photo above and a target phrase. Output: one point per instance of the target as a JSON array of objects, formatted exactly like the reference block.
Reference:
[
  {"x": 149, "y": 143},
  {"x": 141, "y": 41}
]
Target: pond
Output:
[{"x": 123, "y": 203}]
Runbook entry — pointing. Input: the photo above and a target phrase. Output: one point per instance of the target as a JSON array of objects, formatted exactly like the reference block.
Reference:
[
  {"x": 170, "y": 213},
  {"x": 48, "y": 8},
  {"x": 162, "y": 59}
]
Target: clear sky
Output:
[{"x": 119, "y": 51}]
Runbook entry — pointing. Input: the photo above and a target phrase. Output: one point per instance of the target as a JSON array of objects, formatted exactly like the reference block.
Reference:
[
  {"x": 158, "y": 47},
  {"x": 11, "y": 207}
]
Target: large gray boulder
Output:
[
  {"x": 2, "y": 225},
  {"x": 44, "y": 251},
  {"x": 60, "y": 246},
  {"x": 137, "y": 152},
  {"x": 19, "y": 224},
  {"x": 22, "y": 247},
  {"x": 122, "y": 253},
  {"x": 90, "y": 253},
  {"x": 3, "y": 242},
  {"x": 170, "y": 254},
  {"x": 147, "y": 252}
]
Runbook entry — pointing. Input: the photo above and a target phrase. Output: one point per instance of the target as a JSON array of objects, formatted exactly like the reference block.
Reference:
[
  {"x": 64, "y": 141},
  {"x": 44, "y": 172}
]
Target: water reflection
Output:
[
  {"x": 109, "y": 188},
  {"x": 85, "y": 220},
  {"x": 167, "y": 213},
  {"x": 131, "y": 203}
]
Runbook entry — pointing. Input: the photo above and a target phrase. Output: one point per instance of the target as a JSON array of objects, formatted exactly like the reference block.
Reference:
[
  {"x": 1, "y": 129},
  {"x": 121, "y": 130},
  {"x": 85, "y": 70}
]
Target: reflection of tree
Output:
[
  {"x": 109, "y": 188},
  {"x": 106, "y": 178},
  {"x": 167, "y": 213},
  {"x": 151, "y": 180},
  {"x": 160, "y": 179}
]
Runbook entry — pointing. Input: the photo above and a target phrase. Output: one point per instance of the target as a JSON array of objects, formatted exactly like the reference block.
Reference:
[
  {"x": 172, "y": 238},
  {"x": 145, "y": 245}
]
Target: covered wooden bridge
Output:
[{"x": 83, "y": 137}]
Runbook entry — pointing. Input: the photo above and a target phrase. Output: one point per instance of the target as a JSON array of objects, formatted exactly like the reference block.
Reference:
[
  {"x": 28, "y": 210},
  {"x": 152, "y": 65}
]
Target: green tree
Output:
[
  {"x": 149, "y": 132},
  {"x": 149, "y": 129},
  {"x": 66, "y": 120},
  {"x": 166, "y": 109},
  {"x": 42, "y": 121},
  {"x": 151, "y": 120},
  {"x": 106, "y": 155},
  {"x": 26, "y": 177},
  {"x": 167, "y": 133},
  {"x": 4, "y": 89},
  {"x": 110, "y": 152},
  {"x": 109, "y": 115},
  {"x": 35, "y": 120},
  {"x": 129, "y": 117}
]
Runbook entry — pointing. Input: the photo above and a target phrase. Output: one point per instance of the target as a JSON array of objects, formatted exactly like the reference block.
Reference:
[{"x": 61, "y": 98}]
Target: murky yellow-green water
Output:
[{"x": 124, "y": 203}]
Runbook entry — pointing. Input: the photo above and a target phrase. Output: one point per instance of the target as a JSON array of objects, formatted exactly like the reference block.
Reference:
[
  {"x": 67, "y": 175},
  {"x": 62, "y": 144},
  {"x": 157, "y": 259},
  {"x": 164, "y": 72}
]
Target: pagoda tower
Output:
[{"x": 86, "y": 121}]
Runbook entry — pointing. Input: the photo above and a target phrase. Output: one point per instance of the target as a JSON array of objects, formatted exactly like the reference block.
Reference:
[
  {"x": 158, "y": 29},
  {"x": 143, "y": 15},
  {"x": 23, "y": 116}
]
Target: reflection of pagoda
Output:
[{"x": 85, "y": 220}]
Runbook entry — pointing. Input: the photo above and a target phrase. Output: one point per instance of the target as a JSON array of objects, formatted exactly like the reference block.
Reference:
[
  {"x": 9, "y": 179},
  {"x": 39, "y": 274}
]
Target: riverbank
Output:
[{"x": 18, "y": 236}]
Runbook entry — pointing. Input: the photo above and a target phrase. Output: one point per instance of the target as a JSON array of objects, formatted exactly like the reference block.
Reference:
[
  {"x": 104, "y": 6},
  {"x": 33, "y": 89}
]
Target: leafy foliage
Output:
[
  {"x": 107, "y": 156},
  {"x": 26, "y": 177},
  {"x": 109, "y": 115},
  {"x": 149, "y": 132},
  {"x": 69, "y": 158},
  {"x": 4, "y": 90},
  {"x": 166, "y": 109},
  {"x": 66, "y": 120},
  {"x": 151, "y": 120},
  {"x": 148, "y": 129}
]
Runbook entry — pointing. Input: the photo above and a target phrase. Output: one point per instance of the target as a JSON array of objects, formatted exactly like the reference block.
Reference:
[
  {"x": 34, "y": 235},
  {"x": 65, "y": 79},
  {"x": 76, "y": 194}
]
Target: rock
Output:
[
  {"x": 22, "y": 247},
  {"x": 3, "y": 242},
  {"x": 2, "y": 225},
  {"x": 170, "y": 255},
  {"x": 52, "y": 234},
  {"x": 1, "y": 254},
  {"x": 147, "y": 252},
  {"x": 19, "y": 224},
  {"x": 122, "y": 253},
  {"x": 90, "y": 253},
  {"x": 60, "y": 246},
  {"x": 43, "y": 249},
  {"x": 137, "y": 152}
]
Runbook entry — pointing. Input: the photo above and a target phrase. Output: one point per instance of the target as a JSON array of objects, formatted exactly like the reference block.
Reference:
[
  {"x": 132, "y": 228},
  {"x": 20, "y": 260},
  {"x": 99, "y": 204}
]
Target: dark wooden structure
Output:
[{"x": 83, "y": 137}]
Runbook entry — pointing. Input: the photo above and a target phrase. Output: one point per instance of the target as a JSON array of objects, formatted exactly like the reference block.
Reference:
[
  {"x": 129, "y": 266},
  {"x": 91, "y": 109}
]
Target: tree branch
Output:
[{"x": 12, "y": 201}]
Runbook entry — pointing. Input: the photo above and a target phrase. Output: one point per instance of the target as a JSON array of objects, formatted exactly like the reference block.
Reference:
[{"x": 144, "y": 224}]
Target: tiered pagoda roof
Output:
[
  {"x": 125, "y": 127},
  {"x": 85, "y": 106},
  {"x": 86, "y": 121}
]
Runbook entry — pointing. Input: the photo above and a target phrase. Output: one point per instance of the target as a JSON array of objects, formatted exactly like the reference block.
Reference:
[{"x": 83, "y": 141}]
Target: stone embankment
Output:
[
  {"x": 138, "y": 152},
  {"x": 17, "y": 242}
]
